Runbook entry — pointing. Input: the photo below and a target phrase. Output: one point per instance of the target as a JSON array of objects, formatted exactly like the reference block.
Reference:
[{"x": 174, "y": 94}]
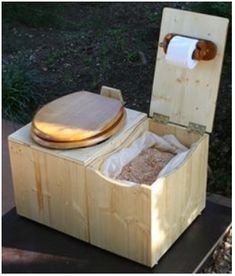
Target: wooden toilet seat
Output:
[
  {"x": 77, "y": 116},
  {"x": 81, "y": 143}
]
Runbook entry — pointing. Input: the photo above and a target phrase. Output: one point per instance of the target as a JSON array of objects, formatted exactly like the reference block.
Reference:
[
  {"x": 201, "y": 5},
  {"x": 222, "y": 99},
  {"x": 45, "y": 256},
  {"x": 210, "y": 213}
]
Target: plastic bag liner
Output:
[{"x": 112, "y": 166}]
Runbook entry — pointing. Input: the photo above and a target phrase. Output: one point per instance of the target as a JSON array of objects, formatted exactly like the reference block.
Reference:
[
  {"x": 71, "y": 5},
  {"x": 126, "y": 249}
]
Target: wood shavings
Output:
[{"x": 145, "y": 168}]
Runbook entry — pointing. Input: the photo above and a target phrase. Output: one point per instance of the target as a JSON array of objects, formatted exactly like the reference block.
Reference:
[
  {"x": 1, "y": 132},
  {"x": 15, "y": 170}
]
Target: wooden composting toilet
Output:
[{"x": 66, "y": 190}]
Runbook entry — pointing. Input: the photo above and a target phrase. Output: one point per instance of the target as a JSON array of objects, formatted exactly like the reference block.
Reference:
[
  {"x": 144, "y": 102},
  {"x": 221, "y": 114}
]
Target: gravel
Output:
[{"x": 221, "y": 260}]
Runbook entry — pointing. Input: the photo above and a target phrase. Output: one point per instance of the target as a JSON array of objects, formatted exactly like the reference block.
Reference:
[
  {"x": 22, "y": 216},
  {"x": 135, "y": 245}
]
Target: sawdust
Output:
[{"x": 146, "y": 166}]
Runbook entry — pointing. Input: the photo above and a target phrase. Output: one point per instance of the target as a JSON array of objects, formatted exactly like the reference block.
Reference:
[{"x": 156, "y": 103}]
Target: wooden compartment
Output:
[
  {"x": 141, "y": 222},
  {"x": 50, "y": 185}
]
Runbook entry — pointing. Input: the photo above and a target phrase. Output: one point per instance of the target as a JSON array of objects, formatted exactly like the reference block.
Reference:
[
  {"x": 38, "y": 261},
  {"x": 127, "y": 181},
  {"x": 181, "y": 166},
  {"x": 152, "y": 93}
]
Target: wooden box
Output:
[
  {"x": 65, "y": 189},
  {"x": 50, "y": 185},
  {"x": 142, "y": 222}
]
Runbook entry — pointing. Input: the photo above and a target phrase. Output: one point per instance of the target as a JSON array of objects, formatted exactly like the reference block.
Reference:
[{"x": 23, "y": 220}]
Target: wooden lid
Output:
[
  {"x": 189, "y": 96},
  {"x": 81, "y": 143},
  {"x": 77, "y": 116}
]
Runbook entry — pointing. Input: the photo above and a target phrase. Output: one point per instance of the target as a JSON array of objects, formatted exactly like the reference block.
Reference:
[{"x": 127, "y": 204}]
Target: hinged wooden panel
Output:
[{"x": 182, "y": 94}]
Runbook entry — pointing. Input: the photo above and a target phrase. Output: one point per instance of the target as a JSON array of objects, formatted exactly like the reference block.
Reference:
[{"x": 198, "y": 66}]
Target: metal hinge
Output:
[
  {"x": 160, "y": 118},
  {"x": 197, "y": 128}
]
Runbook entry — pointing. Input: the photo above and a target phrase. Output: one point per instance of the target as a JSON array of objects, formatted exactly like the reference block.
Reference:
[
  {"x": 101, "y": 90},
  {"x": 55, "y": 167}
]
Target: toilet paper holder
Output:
[{"x": 205, "y": 49}]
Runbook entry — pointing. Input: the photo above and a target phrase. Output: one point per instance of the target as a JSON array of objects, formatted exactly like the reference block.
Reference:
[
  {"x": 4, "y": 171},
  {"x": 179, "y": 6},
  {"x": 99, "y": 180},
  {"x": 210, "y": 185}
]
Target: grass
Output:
[{"x": 20, "y": 95}]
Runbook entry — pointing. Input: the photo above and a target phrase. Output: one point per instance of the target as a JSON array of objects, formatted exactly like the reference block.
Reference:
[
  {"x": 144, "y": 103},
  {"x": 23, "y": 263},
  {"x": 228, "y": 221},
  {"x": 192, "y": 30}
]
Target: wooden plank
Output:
[
  {"x": 185, "y": 136},
  {"x": 112, "y": 93},
  {"x": 182, "y": 94},
  {"x": 36, "y": 248},
  {"x": 178, "y": 199},
  {"x": 119, "y": 217},
  {"x": 83, "y": 155},
  {"x": 77, "y": 116},
  {"x": 50, "y": 190}
]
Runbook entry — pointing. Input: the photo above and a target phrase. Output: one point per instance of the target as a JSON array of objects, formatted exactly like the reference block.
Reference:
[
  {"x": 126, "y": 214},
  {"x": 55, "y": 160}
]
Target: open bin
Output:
[{"x": 141, "y": 222}]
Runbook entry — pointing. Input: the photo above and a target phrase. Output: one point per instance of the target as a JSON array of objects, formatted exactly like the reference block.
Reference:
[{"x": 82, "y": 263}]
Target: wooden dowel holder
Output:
[{"x": 205, "y": 49}]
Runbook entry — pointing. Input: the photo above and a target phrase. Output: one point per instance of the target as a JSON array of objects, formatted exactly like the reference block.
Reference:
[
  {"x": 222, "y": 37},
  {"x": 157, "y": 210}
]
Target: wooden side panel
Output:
[
  {"x": 119, "y": 217},
  {"x": 185, "y": 136},
  {"x": 183, "y": 94},
  {"x": 49, "y": 190},
  {"x": 178, "y": 199},
  {"x": 131, "y": 136}
]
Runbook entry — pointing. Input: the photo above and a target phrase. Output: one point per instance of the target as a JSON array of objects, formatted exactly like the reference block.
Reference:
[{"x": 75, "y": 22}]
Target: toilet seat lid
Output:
[
  {"x": 77, "y": 116},
  {"x": 82, "y": 143}
]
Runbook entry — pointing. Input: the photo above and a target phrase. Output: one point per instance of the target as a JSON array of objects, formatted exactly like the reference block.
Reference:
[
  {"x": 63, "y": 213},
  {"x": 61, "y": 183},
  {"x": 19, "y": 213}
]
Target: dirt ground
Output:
[{"x": 60, "y": 49}]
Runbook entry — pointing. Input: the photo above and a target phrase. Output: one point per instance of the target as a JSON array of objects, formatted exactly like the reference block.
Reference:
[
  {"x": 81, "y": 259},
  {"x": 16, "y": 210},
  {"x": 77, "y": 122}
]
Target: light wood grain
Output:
[
  {"x": 182, "y": 94},
  {"x": 83, "y": 143},
  {"x": 50, "y": 185},
  {"x": 178, "y": 199},
  {"x": 77, "y": 116},
  {"x": 112, "y": 93},
  {"x": 142, "y": 222},
  {"x": 50, "y": 190},
  {"x": 119, "y": 217}
]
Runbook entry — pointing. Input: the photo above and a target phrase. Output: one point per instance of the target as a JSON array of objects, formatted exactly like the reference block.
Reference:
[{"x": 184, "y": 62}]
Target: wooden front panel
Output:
[
  {"x": 50, "y": 190},
  {"x": 119, "y": 217},
  {"x": 178, "y": 199}
]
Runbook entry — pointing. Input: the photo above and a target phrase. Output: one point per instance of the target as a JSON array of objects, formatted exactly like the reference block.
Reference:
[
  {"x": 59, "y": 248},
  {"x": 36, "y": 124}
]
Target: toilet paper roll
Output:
[{"x": 180, "y": 50}]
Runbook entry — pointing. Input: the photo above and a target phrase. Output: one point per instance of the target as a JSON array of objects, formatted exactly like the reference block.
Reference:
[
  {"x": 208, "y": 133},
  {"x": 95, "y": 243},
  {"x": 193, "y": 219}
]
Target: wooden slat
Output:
[
  {"x": 50, "y": 190},
  {"x": 189, "y": 95},
  {"x": 112, "y": 93},
  {"x": 178, "y": 199}
]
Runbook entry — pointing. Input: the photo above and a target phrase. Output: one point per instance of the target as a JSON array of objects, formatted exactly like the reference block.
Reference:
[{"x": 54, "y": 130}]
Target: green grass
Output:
[{"x": 20, "y": 96}]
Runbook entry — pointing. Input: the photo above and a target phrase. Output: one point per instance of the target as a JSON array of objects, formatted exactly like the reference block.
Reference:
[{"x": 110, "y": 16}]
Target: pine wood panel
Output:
[
  {"x": 49, "y": 190},
  {"x": 112, "y": 93},
  {"x": 184, "y": 135},
  {"x": 178, "y": 199},
  {"x": 50, "y": 185},
  {"x": 119, "y": 217},
  {"x": 189, "y": 95},
  {"x": 77, "y": 116},
  {"x": 116, "y": 219}
]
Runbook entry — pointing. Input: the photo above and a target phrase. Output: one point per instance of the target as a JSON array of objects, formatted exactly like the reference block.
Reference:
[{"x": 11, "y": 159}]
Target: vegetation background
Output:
[{"x": 52, "y": 49}]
